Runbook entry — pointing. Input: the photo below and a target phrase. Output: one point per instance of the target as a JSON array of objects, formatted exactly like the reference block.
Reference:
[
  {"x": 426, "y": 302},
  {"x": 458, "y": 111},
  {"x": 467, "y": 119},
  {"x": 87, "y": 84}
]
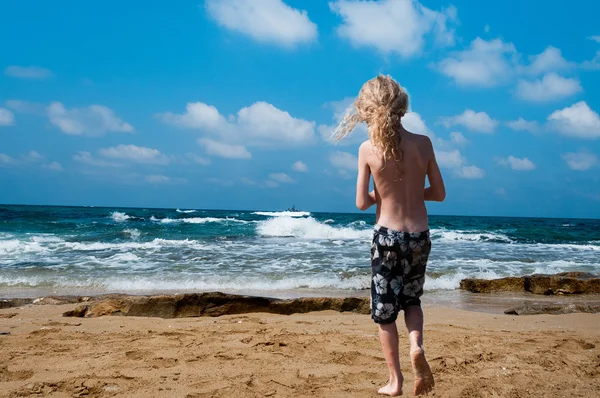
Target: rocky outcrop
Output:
[
  {"x": 18, "y": 302},
  {"x": 211, "y": 304},
  {"x": 554, "y": 309},
  {"x": 9, "y": 303},
  {"x": 563, "y": 283}
]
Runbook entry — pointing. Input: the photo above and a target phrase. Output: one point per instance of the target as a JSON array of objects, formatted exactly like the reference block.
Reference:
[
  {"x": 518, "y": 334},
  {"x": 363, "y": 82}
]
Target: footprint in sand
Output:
[
  {"x": 7, "y": 375},
  {"x": 137, "y": 355},
  {"x": 570, "y": 344},
  {"x": 160, "y": 362}
]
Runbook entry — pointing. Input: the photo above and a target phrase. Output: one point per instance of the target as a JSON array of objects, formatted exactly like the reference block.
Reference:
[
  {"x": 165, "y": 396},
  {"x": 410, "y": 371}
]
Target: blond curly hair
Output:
[{"x": 381, "y": 103}]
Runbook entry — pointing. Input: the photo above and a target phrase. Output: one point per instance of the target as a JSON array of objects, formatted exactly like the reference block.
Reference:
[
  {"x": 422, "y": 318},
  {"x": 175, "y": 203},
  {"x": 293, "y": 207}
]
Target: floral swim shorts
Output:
[{"x": 398, "y": 262}]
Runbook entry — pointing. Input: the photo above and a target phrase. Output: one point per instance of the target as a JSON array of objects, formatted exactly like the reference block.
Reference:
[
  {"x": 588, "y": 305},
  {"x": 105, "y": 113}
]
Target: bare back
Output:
[{"x": 400, "y": 198}]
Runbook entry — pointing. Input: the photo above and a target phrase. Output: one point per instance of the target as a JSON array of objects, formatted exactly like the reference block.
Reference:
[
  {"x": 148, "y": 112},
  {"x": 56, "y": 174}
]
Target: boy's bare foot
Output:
[
  {"x": 391, "y": 389},
  {"x": 423, "y": 378}
]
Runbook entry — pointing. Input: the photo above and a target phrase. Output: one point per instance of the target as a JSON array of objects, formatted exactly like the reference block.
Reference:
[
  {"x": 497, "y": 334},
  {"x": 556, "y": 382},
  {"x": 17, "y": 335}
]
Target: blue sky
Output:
[{"x": 216, "y": 104}]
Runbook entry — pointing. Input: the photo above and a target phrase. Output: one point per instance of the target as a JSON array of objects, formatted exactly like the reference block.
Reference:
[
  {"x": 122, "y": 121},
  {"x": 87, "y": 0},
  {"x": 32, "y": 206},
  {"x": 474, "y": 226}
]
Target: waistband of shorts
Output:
[{"x": 406, "y": 235}]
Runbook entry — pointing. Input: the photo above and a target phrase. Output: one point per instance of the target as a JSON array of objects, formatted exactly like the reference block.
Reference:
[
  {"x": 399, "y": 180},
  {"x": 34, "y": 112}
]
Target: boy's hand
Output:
[{"x": 373, "y": 196}]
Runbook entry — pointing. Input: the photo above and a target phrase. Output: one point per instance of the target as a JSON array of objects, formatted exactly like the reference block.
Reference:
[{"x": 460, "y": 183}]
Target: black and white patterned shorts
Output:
[{"x": 398, "y": 263}]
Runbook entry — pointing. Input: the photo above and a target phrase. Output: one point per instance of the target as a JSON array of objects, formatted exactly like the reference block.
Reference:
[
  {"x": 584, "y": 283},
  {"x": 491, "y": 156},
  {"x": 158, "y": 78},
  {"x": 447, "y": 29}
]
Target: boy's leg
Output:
[
  {"x": 413, "y": 316},
  {"x": 388, "y": 334}
]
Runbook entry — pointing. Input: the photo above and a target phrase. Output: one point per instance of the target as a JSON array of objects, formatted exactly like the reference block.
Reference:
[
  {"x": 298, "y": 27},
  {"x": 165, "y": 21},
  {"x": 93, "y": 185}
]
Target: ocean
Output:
[{"x": 92, "y": 250}]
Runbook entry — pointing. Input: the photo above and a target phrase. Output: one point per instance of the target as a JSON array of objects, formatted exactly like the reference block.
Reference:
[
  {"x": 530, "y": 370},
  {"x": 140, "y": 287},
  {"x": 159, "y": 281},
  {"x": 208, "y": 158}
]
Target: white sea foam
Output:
[
  {"x": 185, "y": 211},
  {"x": 568, "y": 246},
  {"x": 16, "y": 247},
  {"x": 155, "y": 244},
  {"x": 132, "y": 283},
  {"x": 470, "y": 236},
  {"x": 203, "y": 220},
  {"x": 197, "y": 220},
  {"x": 133, "y": 233},
  {"x": 46, "y": 239},
  {"x": 452, "y": 280},
  {"x": 308, "y": 228},
  {"x": 282, "y": 213},
  {"x": 124, "y": 257},
  {"x": 119, "y": 217}
]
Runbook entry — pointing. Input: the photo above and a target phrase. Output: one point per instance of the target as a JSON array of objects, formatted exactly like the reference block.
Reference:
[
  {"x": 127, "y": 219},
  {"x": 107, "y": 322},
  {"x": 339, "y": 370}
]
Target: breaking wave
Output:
[
  {"x": 197, "y": 220},
  {"x": 119, "y": 217},
  {"x": 282, "y": 213},
  {"x": 308, "y": 228}
]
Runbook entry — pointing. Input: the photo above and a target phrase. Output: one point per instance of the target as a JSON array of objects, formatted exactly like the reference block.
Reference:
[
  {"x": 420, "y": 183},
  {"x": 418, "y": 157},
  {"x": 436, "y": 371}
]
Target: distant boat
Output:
[{"x": 293, "y": 209}]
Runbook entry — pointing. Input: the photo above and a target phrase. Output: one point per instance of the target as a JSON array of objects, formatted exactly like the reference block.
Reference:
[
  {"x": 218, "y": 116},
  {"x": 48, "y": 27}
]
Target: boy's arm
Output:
[
  {"x": 364, "y": 198},
  {"x": 436, "y": 191}
]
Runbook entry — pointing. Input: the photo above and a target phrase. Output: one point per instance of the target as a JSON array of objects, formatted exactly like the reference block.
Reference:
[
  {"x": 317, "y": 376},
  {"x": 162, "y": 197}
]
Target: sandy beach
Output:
[{"x": 319, "y": 354}]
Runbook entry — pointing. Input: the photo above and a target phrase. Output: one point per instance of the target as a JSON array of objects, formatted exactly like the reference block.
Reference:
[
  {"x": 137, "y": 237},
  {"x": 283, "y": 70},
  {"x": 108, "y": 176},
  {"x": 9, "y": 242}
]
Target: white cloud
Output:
[
  {"x": 27, "y": 72},
  {"x": 134, "y": 153},
  {"x": 198, "y": 115},
  {"x": 271, "y": 21},
  {"x": 222, "y": 150},
  {"x": 197, "y": 159},
  {"x": 471, "y": 172},
  {"x": 282, "y": 178},
  {"x": 219, "y": 181},
  {"x": 260, "y": 124},
  {"x": 88, "y": 158},
  {"x": 344, "y": 161},
  {"x": 32, "y": 157},
  {"x": 516, "y": 163},
  {"x": 161, "y": 179},
  {"x": 594, "y": 63},
  {"x": 500, "y": 191},
  {"x": 486, "y": 28},
  {"x": 484, "y": 63},
  {"x": 393, "y": 26},
  {"x": 266, "y": 125},
  {"x": 6, "y": 117},
  {"x": 478, "y": 122},
  {"x": 412, "y": 122},
  {"x": 93, "y": 120},
  {"x": 53, "y": 166},
  {"x": 300, "y": 166},
  {"x": 6, "y": 160},
  {"x": 248, "y": 181},
  {"x": 580, "y": 161},
  {"x": 271, "y": 184},
  {"x": 577, "y": 120},
  {"x": 550, "y": 87},
  {"x": 494, "y": 62},
  {"x": 449, "y": 159},
  {"x": 595, "y": 38},
  {"x": 523, "y": 125},
  {"x": 27, "y": 107},
  {"x": 457, "y": 163},
  {"x": 549, "y": 60},
  {"x": 458, "y": 138}
]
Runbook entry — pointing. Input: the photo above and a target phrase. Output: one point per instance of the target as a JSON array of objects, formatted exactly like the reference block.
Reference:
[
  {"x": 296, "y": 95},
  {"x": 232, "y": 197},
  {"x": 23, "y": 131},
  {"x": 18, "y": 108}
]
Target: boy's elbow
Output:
[
  {"x": 441, "y": 196},
  {"x": 362, "y": 205}
]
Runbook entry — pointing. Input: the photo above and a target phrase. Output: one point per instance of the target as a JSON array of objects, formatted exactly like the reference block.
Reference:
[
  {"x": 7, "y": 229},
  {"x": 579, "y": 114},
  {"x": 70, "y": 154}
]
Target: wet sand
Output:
[{"x": 319, "y": 354}]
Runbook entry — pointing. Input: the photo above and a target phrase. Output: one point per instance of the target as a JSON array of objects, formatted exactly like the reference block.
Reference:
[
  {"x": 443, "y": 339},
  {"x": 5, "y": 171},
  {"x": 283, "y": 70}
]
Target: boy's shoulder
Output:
[
  {"x": 366, "y": 145},
  {"x": 422, "y": 139}
]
